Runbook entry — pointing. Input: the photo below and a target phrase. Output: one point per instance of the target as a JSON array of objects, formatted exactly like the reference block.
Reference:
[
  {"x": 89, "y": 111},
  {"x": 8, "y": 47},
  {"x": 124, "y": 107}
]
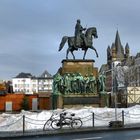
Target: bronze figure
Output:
[{"x": 80, "y": 40}]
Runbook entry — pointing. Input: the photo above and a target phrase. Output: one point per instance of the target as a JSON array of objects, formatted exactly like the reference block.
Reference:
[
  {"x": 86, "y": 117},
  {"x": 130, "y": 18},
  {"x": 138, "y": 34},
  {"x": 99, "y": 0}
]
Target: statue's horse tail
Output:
[{"x": 63, "y": 41}]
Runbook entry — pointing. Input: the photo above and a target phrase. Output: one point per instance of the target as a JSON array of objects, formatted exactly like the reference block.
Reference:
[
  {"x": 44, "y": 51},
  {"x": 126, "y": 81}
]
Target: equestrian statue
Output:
[{"x": 80, "y": 40}]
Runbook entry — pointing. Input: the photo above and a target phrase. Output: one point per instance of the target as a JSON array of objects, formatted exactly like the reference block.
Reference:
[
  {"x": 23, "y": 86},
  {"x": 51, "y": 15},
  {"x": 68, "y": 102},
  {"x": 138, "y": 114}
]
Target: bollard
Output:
[
  {"x": 93, "y": 119},
  {"x": 123, "y": 117},
  {"x": 61, "y": 115},
  {"x": 23, "y": 123}
]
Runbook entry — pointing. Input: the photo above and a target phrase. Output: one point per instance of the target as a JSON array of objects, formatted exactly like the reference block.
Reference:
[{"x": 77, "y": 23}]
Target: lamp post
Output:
[
  {"x": 117, "y": 85},
  {"x": 114, "y": 87},
  {"x": 117, "y": 82}
]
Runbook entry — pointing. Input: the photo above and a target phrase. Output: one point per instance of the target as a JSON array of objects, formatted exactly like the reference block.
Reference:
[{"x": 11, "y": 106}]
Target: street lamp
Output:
[
  {"x": 114, "y": 87},
  {"x": 118, "y": 83}
]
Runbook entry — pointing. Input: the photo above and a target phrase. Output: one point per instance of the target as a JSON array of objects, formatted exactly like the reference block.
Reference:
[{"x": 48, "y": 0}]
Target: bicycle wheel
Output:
[
  {"x": 76, "y": 123},
  {"x": 67, "y": 122},
  {"x": 47, "y": 125},
  {"x": 55, "y": 124}
]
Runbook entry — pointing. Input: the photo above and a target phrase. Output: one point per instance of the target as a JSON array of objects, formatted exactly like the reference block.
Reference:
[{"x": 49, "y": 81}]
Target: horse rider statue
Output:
[
  {"x": 81, "y": 40},
  {"x": 79, "y": 35}
]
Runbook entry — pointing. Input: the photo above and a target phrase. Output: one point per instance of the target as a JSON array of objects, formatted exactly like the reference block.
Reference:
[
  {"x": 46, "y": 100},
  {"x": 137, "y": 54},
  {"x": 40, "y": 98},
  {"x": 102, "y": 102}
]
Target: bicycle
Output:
[
  {"x": 47, "y": 124},
  {"x": 74, "y": 123}
]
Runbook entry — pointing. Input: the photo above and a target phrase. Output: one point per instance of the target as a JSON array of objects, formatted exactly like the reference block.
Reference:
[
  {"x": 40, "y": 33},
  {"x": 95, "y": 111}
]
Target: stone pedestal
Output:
[
  {"x": 79, "y": 66},
  {"x": 69, "y": 101},
  {"x": 68, "y": 98}
]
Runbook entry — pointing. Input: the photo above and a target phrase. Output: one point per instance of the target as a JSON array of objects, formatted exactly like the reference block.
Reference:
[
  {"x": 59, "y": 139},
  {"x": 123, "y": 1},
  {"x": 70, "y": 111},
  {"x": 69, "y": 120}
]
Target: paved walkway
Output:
[{"x": 12, "y": 134}]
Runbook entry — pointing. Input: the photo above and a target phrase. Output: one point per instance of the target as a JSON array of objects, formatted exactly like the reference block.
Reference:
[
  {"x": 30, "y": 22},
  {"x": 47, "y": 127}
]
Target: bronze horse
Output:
[{"x": 89, "y": 34}]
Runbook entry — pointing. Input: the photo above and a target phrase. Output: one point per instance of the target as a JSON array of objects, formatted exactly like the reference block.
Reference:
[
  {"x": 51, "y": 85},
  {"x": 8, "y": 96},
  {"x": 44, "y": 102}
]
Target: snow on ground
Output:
[{"x": 36, "y": 120}]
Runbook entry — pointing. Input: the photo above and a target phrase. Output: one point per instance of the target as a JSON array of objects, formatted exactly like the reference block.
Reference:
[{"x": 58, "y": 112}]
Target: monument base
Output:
[
  {"x": 79, "y": 78},
  {"x": 79, "y": 66},
  {"x": 69, "y": 101}
]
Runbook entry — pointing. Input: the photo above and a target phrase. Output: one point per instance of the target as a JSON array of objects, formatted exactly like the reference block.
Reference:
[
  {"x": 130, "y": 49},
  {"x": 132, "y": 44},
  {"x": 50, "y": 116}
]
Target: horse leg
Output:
[
  {"x": 84, "y": 54},
  {"x": 94, "y": 50},
  {"x": 67, "y": 53},
  {"x": 73, "y": 55}
]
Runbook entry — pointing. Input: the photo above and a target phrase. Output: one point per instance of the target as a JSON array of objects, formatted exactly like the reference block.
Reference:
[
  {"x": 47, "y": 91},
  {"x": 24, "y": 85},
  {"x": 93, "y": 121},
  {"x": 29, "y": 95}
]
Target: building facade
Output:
[
  {"x": 121, "y": 65},
  {"x": 134, "y": 72},
  {"x": 117, "y": 57},
  {"x": 45, "y": 82},
  {"x": 28, "y": 84}
]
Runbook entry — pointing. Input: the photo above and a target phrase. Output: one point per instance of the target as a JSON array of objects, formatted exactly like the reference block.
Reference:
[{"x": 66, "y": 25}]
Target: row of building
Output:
[
  {"x": 29, "y": 84},
  {"x": 26, "y": 91},
  {"x": 25, "y": 82}
]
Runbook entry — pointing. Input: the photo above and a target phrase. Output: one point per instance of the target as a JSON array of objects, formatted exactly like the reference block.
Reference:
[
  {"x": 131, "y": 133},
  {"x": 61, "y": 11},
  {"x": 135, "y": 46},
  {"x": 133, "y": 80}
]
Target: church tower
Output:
[
  {"x": 117, "y": 51},
  {"x": 119, "y": 48}
]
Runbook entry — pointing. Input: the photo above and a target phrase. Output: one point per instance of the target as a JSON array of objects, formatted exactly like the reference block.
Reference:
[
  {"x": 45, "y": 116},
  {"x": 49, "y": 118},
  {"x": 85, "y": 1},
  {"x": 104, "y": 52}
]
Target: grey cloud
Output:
[{"x": 30, "y": 31}]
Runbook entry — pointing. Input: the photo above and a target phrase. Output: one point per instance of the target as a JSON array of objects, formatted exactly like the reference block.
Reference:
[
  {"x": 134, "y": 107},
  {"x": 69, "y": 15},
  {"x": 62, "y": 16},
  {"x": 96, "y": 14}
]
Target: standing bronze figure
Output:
[{"x": 80, "y": 40}]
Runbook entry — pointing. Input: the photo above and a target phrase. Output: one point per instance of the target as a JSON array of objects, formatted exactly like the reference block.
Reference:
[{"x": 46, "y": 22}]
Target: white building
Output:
[
  {"x": 26, "y": 83},
  {"x": 45, "y": 82},
  {"x": 22, "y": 83}
]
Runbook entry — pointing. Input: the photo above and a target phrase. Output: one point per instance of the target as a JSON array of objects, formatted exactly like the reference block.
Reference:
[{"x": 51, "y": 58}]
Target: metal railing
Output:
[{"x": 93, "y": 119}]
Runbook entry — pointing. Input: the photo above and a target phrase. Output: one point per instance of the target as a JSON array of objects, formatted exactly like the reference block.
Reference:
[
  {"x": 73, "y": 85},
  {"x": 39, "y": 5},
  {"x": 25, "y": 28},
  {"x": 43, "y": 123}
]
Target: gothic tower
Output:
[
  {"x": 119, "y": 47},
  {"x": 117, "y": 51}
]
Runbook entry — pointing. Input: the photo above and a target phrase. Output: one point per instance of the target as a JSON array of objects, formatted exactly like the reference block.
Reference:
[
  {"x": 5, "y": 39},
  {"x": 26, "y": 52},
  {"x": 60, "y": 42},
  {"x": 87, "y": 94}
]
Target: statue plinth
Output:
[
  {"x": 79, "y": 66},
  {"x": 80, "y": 84},
  {"x": 81, "y": 100}
]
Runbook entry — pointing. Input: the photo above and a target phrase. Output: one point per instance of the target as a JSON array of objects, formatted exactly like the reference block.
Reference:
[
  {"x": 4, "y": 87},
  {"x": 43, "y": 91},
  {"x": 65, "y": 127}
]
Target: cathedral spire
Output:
[
  {"x": 117, "y": 39},
  {"x": 119, "y": 47}
]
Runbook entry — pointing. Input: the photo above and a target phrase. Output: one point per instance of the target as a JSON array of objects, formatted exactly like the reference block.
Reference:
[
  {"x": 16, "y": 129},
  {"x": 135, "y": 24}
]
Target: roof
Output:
[
  {"x": 24, "y": 75},
  {"x": 119, "y": 47},
  {"x": 45, "y": 74}
]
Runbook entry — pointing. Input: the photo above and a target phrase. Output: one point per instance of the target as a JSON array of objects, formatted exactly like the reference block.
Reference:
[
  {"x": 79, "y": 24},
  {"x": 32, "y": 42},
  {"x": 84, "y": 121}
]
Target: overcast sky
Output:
[{"x": 31, "y": 31}]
